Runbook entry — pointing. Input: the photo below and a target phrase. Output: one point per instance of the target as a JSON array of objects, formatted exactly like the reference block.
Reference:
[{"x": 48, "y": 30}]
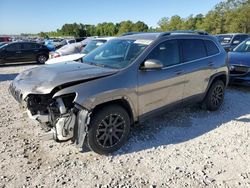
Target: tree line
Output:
[{"x": 226, "y": 17}]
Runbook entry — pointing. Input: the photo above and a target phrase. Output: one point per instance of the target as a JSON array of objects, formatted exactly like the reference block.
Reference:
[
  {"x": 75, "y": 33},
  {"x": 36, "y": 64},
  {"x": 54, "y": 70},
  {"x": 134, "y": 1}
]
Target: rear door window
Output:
[
  {"x": 30, "y": 46},
  {"x": 211, "y": 47},
  {"x": 193, "y": 49},
  {"x": 35, "y": 46},
  {"x": 26, "y": 46}
]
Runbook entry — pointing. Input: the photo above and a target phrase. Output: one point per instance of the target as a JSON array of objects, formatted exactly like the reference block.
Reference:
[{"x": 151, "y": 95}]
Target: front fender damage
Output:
[
  {"x": 60, "y": 117},
  {"x": 81, "y": 127}
]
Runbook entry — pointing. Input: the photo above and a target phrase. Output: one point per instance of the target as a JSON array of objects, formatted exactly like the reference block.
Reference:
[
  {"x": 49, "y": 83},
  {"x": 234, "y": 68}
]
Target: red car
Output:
[{"x": 5, "y": 39}]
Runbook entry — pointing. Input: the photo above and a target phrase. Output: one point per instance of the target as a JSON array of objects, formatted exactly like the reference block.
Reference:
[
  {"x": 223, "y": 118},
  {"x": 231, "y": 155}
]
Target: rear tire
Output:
[
  {"x": 215, "y": 96},
  {"x": 41, "y": 59},
  {"x": 109, "y": 130}
]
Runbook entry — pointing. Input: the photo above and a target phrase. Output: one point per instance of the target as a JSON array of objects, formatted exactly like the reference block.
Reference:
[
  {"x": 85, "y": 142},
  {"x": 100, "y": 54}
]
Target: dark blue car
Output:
[{"x": 239, "y": 62}]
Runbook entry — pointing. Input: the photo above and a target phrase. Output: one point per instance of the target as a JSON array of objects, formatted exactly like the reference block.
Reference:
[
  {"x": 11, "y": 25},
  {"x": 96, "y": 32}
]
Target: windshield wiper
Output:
[{"x": 98, "y": 65}]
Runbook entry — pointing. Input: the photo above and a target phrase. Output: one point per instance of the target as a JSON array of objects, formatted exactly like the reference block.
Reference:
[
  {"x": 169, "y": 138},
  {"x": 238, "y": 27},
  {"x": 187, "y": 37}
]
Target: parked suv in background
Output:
[
  {"x": 239, "y": 64},
  {"x": 231, "y": 40},
  {"x": 121, "y": 83},
  {"x": 23, "y": 52}
]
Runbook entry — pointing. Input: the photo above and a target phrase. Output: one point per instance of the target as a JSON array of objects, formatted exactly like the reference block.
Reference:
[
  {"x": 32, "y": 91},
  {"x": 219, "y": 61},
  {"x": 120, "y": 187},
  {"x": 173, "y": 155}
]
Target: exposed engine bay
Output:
[{"x": 58, "y": 116}]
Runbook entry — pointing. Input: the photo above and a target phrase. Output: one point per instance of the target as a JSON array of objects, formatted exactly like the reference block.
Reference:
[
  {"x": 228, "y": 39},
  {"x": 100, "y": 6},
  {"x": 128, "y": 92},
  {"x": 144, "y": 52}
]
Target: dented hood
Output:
[{"x": 43, "y": 79}]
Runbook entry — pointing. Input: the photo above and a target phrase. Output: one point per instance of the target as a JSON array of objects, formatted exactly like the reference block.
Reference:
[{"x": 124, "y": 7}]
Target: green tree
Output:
[
  {"x": 125, "y": 26},
  {"x": 139, "y": 27},
  {"x": 175, "y": 23},
  {"x": 43, "y": 35},
  {"x": 163, "y": 24}
]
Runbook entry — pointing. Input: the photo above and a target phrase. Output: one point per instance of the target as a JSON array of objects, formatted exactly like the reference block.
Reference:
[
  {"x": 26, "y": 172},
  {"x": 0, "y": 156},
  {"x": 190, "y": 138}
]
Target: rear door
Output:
[
  {"x": 29, "y": 51},
  {"x": 197, "y": 67}
]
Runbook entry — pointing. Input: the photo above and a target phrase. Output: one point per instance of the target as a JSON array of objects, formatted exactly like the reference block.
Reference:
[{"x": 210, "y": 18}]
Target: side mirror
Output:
[
  {"x": 236, "y": 42},
  {"x": 152, "y": 64}
]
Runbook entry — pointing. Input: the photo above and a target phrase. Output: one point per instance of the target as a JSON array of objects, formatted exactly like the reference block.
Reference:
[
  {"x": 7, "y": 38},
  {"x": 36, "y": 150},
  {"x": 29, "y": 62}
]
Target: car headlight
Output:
[{"x": 231, "y": 67}]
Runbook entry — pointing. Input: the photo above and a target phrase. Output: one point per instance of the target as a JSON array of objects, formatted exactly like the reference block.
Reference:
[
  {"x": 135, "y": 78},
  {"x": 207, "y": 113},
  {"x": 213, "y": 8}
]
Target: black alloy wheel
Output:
[{"x": 108, "y": 130}]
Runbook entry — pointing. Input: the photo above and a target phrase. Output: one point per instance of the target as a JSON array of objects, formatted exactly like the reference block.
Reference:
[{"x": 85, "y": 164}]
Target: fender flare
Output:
[{"x": 213, "y": 77}]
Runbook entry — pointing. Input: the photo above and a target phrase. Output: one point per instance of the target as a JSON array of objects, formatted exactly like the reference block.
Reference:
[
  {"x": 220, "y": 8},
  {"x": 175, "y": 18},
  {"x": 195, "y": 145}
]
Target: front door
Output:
[
  {"x": 161, "y": 87},
  {"x": 12, "y": 53}
]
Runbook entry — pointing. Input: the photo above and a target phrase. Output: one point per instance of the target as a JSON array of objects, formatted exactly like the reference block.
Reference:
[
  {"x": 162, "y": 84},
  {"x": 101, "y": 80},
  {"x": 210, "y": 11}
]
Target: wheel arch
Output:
[
  {"x": 42, "y": 53},
  {"x": 223, "y": 76},
  {"x": 124, "y": 103}
]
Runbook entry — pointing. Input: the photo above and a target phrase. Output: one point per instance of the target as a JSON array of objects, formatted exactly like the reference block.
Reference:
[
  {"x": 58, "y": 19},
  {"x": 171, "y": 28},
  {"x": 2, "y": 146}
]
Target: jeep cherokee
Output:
[{"x": 122, "y": 82}]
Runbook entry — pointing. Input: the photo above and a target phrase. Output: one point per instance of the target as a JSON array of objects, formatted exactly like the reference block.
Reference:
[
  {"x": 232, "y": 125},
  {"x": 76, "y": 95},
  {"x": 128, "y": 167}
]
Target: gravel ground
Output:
[{"x": 185, "y": 148}]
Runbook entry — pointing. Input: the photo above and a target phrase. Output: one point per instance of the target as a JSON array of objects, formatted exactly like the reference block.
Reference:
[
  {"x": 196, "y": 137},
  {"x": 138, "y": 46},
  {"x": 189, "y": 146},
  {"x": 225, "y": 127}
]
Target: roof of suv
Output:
[
  {"x": 231, "y": 34},
  {"x": 155, "y": 35}
]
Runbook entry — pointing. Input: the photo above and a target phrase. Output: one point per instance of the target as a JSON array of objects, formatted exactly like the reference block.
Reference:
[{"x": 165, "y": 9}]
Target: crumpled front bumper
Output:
[{"x": 15, "y": 93}]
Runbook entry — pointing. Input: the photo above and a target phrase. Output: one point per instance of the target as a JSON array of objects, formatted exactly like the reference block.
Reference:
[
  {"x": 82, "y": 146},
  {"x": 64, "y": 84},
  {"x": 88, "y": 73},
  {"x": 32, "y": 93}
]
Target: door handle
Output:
[
  {"x": 178, "y": 72},
  {"x": 210, "y": 64}
]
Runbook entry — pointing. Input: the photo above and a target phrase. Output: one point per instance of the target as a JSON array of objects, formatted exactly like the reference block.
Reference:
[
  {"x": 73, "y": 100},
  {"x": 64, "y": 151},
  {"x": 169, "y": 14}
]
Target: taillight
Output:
[{"x": 56, "y": 55}]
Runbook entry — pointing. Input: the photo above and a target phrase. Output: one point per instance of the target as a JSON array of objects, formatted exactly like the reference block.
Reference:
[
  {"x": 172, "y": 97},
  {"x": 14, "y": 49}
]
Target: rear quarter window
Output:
[
  {"x": 211, "y": 47},
  {"x": 193, "y": 49}
]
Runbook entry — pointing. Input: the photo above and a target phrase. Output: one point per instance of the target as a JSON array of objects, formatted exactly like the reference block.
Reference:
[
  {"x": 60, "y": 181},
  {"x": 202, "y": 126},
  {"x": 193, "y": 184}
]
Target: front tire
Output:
[
  {"x": 215, "y": 96},
  {"x": 41, "y": 59},
  {"x": 109, "y": 129}
]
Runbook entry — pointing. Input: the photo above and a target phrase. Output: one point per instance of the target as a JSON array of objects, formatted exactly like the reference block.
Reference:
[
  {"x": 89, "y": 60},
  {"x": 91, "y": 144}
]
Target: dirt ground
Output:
[{"x": 184, "y": 148}]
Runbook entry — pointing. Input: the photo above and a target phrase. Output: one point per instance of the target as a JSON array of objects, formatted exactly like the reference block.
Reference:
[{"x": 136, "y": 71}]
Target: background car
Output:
[
  {"x": 66, "y": 50},
  {"x": 53, "y": 44},
  {"x": 23, "y": 52},
  {"x": 70, "y": 48},
  {"x": 239, "y": 64},
  {"x": 231, "y": 40},
  {"x": 72, "y": 53},
  {"x": 5, "y": 39}
]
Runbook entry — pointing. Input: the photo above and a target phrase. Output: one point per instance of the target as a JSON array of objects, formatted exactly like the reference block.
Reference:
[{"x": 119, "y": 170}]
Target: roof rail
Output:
[
  {"x": 184, "y": 32},
  {"x": 131, "y": 33}
]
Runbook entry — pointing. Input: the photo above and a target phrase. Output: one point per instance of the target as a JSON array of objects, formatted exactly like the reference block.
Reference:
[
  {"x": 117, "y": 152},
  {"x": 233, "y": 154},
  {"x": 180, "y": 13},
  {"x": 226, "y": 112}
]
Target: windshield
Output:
[
  {"x": 117, "y": 53},
  {"x": 3, "y": 44},
  {"x": 225, "y": 39},
  {"x": 92, "y": 45},
  {"x": 243, "y": 47}
]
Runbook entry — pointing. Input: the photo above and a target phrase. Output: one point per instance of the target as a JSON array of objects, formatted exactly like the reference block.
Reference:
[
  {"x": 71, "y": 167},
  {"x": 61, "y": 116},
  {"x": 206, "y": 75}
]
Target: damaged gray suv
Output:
[{"x": 94, "y": 103}]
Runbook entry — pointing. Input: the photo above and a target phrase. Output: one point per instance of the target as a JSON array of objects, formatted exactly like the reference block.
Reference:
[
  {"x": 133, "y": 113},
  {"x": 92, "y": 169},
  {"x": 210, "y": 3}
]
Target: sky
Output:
[{"x": 34, "y": 16}]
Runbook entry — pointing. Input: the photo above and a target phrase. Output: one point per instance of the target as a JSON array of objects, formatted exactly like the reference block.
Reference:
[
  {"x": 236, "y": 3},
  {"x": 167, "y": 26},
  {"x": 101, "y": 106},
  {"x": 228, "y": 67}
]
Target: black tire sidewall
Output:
[
  {"x": 208, "y": 99},
  {"x": 96, "y": 119}
]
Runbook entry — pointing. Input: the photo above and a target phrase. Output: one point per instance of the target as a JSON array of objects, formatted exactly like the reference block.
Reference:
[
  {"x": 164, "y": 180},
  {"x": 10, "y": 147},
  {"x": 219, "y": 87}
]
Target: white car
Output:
[
  {"x": 74, "y": 54},
  {"x": 70, "y": 48}
]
